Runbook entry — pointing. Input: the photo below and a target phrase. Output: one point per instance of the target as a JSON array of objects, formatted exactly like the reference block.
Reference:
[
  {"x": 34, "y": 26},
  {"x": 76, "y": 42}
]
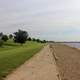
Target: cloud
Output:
[{"x": 47, "y": 19}]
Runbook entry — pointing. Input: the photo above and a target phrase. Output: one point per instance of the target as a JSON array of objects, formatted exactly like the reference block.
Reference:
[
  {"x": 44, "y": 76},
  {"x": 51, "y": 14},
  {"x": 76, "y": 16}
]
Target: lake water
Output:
[{"x": 75, "y": 44}]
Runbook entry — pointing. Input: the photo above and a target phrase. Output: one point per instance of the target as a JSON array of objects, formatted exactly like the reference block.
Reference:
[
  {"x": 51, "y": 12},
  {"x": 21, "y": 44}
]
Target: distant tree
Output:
[
  {"x": 1, "y": 34},
  {"x": 33, "y": 39},
  {"x": 29, "y": 39},
  {"x": 4, "y": 38},
  {"x": 41, "y": 41},
  {"x": 44, "y": 41},
  {"x": 20, "y": 36},
  {"x": 38, "y": 40},
  {"x": 10, "y": 36}
]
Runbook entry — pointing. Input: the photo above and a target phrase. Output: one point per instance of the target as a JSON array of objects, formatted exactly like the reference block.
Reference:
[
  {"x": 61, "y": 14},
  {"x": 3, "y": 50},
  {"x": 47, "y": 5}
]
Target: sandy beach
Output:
[{"x": 68, "y": 61}]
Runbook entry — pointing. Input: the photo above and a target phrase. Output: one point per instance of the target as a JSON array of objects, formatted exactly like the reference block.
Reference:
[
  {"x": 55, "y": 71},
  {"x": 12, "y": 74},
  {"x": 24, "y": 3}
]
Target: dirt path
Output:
[{"x": 40, "y": 67}]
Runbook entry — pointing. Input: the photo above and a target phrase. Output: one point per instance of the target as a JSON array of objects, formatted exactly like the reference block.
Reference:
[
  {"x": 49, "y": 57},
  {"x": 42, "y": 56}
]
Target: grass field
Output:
[{"x": 13, "y": 55}]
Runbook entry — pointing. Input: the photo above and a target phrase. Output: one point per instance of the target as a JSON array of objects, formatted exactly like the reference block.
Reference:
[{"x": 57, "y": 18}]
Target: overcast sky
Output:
[{"x": 45, "y": 19}]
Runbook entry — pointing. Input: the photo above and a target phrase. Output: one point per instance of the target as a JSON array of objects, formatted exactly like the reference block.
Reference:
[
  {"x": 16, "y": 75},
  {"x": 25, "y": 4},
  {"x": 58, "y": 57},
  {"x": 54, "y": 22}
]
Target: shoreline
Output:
[{"x": 68, "y": 61}]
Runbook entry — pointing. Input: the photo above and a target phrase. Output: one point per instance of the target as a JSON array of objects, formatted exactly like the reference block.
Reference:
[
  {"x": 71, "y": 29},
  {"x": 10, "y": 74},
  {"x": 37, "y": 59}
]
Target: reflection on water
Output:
[{"x": 75, "y": 44}]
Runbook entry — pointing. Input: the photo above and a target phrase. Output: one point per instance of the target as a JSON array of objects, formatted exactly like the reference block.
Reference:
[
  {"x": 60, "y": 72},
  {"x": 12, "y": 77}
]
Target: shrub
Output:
[
  {"x": 33, "y": 39},
  {"x": 29, "y": 39},
  {"x": 4, "y": 38},
  {"x": 1, "y": 43},
  {"x": 10, "y": 36},
  {"x": 38, "y": 40}
]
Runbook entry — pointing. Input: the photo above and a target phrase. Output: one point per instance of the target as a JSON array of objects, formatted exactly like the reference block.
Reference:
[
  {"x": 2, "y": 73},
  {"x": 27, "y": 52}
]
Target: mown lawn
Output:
[{"x": 13, "y": 55}]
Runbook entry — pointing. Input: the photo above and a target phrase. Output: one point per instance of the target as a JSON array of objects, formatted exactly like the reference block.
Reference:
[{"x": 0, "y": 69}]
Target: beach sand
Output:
[{"x": 68, "y": 61}]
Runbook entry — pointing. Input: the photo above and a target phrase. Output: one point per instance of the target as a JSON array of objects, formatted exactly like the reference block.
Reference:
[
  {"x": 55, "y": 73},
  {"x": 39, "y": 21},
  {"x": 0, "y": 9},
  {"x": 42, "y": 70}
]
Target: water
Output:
[{"x": 75, "y": 44}]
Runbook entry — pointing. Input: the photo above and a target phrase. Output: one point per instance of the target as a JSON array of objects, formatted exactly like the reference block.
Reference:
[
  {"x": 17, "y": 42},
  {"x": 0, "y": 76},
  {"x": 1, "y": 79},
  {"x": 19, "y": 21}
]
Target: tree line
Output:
[{"x": 18, "y": 37}]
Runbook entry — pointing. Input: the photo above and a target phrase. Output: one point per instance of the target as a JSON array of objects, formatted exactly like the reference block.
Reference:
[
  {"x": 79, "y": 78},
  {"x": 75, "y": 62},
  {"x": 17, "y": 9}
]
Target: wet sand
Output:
[{"x": 68, "y": 61}]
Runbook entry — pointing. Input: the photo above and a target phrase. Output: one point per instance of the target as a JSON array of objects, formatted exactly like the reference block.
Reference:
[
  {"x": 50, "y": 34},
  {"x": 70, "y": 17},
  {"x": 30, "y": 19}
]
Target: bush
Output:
[
  {"x": 33, "y": 39},
  {"x": 44, "y": 41},
  {"x": 4, "y": 38},
  {"x": 10, "y": 36},
  {"x": 1, "y": 43},
  {"x": 29, "y": 39},
  {"x": 38, "y": 40}
]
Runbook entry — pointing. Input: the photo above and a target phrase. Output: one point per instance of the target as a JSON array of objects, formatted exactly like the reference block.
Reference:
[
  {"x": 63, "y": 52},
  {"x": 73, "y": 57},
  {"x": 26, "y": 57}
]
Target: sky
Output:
[{"x": 57, "y": 20}]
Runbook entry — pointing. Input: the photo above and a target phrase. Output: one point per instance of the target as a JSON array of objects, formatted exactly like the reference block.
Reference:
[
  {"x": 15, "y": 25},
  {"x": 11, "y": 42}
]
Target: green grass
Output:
[{"x": 13, "y": 55}]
